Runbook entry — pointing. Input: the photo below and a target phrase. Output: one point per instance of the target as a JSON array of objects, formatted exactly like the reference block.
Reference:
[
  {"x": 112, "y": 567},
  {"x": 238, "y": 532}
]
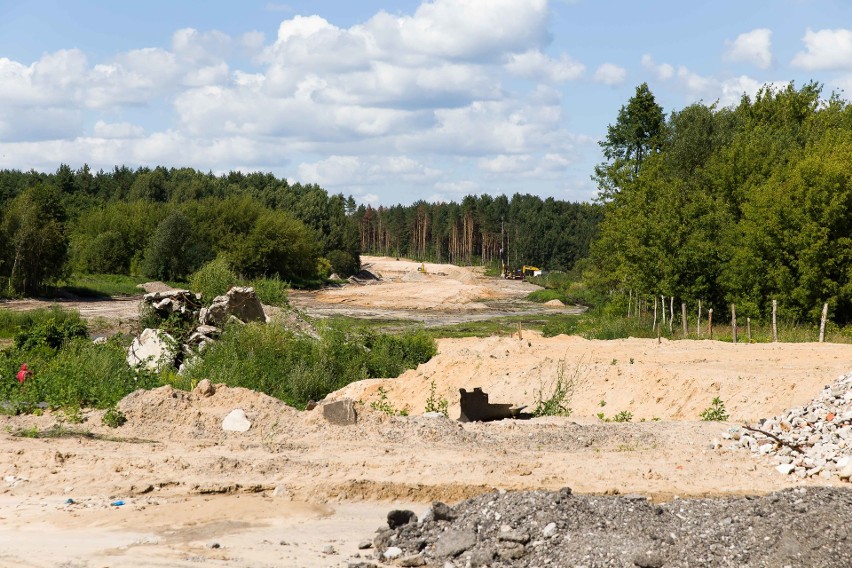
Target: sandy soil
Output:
[{"x": 186, "y": 484}]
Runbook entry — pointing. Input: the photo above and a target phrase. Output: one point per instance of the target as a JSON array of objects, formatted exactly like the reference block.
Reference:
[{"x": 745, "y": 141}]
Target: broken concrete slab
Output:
[
  {"x": 340, "y": 412},
  {"x": 240, "y": 302},
  {"x": 154, "y": 349}
]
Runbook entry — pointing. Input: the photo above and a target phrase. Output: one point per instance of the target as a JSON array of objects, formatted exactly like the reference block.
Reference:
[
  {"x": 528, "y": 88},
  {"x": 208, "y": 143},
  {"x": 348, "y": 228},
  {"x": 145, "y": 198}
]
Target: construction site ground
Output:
[{"x": 171, "y": 488}]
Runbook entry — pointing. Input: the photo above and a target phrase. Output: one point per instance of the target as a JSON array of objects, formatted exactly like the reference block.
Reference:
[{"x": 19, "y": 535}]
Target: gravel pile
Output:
[
  {"x": 809, "y": 441},
  {"x": 794, "y": 527}
]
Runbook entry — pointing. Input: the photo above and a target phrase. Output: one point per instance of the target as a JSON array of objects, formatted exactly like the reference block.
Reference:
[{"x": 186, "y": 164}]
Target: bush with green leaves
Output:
[
  {"x": 271, "y": 291},
  {"x": 561, "y": 392},
  {"x": 80, "y": 374},
  {"x": 50, "y": 332},
  {"x": 435, "y": 403},
  {"x": 715, "y": 412},
  {"x": 214, "y": 279}
]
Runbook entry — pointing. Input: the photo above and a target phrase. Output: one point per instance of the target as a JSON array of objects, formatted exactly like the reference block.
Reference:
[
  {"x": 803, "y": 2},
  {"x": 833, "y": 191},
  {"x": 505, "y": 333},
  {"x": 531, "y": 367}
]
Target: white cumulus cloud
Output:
[
  {"x": 825, "y": 50},
  {"x": 610, "y": 74},
  {"x": 753, "y": 47}
]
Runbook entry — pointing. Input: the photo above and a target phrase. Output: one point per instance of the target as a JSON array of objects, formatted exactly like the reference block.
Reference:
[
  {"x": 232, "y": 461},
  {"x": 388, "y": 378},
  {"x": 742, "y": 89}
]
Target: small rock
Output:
[
  {"x": 236, "y": 421},
  {"x": 365, "y": 544},
  {"x": 442, "y": 511},
  {"x": 453, "y": 543},
  {"x": 214, "y": 545},
  {"x": 414, "y": 560},
  {"x": 392, "y": 552},
  {"x": 328, "y": 549},
  {"x": 785, "y": 468},
  {"x": 398, "y": 518},
  {"x": 549, "y": 530},
  {"x": 204, "y": 388},
  {"x": 647, "y": 560}
]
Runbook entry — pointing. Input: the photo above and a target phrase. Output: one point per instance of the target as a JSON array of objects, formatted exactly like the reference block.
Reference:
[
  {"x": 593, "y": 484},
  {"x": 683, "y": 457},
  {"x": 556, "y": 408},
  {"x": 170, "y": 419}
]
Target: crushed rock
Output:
[
  {"x": 796, "y": 527},
  {"x": 807, "y": 441}
]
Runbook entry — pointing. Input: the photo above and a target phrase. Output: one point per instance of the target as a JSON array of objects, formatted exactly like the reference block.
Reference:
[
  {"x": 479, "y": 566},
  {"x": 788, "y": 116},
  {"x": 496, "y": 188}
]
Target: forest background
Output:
[{"x": 741, "y": 205}]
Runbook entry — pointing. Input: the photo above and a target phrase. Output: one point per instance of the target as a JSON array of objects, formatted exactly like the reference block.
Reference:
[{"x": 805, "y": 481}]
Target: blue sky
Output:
[{"x": 390, "y": 102}]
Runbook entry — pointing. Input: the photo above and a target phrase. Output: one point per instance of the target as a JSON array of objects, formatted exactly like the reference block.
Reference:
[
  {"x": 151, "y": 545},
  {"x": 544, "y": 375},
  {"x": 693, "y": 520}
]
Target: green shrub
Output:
[
  {"x": 114, "y": 418},
  {"x": 716, "y": 411},
  {"x": 213, "y": 279},
  {"x": 271, "y": 291},
  {"x": 50, "y": 333},
  {"x": 382, "y": 404},
  {"x": 11, "y": 322},
  {"x": 343, "y": 263},
  {"x": 272, "y": 359},
  {"x": 434, "y": 403},
  {"x": 561, "y": 393},
  {"x": 80, "y": 374}
]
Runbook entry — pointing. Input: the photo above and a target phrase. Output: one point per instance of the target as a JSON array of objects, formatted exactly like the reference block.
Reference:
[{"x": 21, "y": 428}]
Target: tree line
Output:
[
  {"x": 738, "y": 205},
  {"x": 548, "y": 233},
  {"x": 166, "y": 223}
]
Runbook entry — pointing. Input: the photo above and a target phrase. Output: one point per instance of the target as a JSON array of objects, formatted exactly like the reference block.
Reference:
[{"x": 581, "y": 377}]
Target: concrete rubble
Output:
[
  {"x": 815, "y": 440},
  {"x": 157, "y": 349}
]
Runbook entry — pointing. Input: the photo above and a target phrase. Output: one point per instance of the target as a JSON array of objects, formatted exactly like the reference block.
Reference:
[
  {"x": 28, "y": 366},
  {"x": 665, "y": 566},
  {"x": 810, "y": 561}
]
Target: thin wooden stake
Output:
[
  {"x": 663, "y": 302},
  {"x": 748, "y": 329},
  {"x": 734, "y": 321},
  {"x": 520, "y": 336},
  {"x": 659, "y": 327},
  {"x": 822, "y": 322},
  {"x": 710, "y": 323},
  {"x": 698, "y": 323},
  {"x": 775, "y": 321},
  {"x": 683, "y": 317}
]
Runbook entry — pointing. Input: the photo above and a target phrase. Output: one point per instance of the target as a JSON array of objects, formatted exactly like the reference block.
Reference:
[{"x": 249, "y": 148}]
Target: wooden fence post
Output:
[
  {"x": 775, "y": 321},
  {"x": 822, "y": 322},
  {"x": 710, "y": 323},
  {"x": 683, "y": 318},
  {"x": 698, "y": 322},
  {"x": 629, "y": 302},
  {"x": 734, "y": 321},
  {"x": 748, "y": 329},
  {"x": 663, "y": 306}
]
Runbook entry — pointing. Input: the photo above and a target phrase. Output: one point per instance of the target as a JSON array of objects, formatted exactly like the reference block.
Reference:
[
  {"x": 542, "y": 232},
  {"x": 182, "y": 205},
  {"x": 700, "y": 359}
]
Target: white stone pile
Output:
[{"x": 817, "y": 439}]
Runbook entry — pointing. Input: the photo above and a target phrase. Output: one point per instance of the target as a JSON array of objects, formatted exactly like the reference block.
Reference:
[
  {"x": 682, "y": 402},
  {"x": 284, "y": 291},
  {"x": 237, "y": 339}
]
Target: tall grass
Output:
[
  {"x": 80, "y": 374},
  {"x": 11, "y": 322},
  {"x": 274, "y": 360}
]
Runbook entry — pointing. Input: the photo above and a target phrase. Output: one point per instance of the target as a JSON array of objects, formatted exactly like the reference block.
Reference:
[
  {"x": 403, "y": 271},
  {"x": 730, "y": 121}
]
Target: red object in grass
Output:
[{"x": 24, "y": 374}]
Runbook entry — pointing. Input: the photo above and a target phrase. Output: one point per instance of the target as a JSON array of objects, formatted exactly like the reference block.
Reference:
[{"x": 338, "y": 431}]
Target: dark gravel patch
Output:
[{"x": 801, "y": 527}]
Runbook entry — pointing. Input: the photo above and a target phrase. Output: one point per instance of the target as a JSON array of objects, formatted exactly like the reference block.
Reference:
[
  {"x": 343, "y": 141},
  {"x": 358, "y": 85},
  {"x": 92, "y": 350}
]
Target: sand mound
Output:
[
  {"x": 155, "y": 287},
  {"x": 176, "y": 413},
  {"x": 555, "y": 303},
  {"x": 668, "y": 380}
]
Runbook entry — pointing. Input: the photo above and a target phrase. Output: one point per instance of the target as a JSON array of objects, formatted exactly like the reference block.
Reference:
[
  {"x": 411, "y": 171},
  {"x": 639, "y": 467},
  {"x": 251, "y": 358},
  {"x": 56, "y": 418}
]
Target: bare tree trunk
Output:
[
  {"x": 663, "y": 306},
  {"x": 671, "y": 315},
  {"x": 683, "y": 318},
  {"x": 822, "y": 322}
]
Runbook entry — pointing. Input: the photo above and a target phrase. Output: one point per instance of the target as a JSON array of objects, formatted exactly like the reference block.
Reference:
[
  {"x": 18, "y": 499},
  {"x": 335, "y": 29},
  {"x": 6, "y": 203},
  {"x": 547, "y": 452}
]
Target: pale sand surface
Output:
[{"x": 293, "y": 477}]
